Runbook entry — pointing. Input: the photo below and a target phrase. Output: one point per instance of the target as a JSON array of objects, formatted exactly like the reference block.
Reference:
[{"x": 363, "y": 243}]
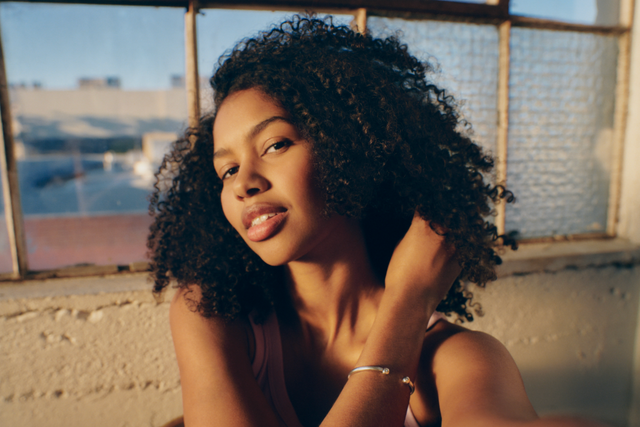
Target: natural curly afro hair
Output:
[{"x": 386, "y": 142}]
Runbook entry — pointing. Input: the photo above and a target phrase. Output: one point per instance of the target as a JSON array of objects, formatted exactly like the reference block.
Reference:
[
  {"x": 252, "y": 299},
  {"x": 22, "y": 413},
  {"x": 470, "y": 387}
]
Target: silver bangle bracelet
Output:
[
  {"x": 383, "y": 371},
  {"x": 412, "y": 387}
]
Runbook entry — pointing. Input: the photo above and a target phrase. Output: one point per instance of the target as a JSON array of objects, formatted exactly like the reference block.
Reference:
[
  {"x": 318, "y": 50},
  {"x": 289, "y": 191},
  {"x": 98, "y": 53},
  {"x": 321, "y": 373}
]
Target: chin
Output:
[
  {"x": 273, "y": 262},
  {"x": 272, "y": 256}
]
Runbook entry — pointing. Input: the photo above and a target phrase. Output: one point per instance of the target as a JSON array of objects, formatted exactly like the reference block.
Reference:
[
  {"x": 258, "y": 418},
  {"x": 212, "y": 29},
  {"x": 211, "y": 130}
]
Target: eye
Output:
[
  {"x": 278, "y": 146},
  {"x": 229, "y": 172}
]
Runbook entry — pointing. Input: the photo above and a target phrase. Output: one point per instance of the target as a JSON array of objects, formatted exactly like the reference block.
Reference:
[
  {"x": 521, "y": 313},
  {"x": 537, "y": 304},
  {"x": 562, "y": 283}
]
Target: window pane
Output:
[
  {"x": 6, "y": 260},
  {"x": 562, "y": 87},
  {"x": 221, "y": 29},
  {"x": 92, "y": 100},
  {"x": 592, "y": 12},
  {"x": 5, "y": 248},
  {"x": 467, "y": 55}
]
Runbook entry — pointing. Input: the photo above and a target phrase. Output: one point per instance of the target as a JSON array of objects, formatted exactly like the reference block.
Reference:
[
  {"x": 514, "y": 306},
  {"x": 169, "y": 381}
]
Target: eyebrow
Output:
[{"x": 255, "y": 131}]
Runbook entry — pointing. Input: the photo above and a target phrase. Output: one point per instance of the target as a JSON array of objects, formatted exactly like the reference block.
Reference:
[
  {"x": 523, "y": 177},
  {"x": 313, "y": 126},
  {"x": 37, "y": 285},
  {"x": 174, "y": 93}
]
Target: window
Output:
[
  {"x": 220, "y": 29},
  {"x": 465, "y": 56},
  {"x": 96, "y": 102},
  {"x": 561, "y": 108},
  {"x": 90, "y": 104},
  {"x": 590, "y": 12},
  {"x": 6, "y": 257}
]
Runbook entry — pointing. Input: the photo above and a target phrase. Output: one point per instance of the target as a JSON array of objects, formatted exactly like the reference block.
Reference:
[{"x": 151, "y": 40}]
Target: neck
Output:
[{"x": 334, "y": 290}]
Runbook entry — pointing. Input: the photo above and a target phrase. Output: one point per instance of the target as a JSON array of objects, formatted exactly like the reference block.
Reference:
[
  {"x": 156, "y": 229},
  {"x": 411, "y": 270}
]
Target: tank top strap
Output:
[
  {"x": 435, "y": 317},
  {"x": 268, "y": 369}
]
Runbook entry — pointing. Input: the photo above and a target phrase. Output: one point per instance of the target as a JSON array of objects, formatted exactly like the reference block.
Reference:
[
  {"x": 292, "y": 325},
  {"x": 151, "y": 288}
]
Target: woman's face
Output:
[{"x": 269, "y": 194}]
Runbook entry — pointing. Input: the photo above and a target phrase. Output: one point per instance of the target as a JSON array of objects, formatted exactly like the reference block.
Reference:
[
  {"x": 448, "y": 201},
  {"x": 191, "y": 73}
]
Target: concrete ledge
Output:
[
  {"x": 556, "y": 256},
  {"x": 529, "y": 258},
  {"x": 91, "y": 285}
]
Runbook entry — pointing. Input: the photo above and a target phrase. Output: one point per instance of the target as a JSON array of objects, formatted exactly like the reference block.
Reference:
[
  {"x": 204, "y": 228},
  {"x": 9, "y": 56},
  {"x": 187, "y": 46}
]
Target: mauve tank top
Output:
[{"x": 268, "y": 370}]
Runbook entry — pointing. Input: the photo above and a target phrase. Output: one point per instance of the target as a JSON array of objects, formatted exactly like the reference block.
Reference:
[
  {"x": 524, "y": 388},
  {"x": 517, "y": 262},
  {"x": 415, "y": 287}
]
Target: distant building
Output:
[
  {"x": 70, "y": 119},
  {"x": 177, "y": 81},
  {"x": 113, "y": 82},
  {"x": 22, "y": 85},
  {"x": 156, "y": 144},
  {"x": 99, "y": 83}
]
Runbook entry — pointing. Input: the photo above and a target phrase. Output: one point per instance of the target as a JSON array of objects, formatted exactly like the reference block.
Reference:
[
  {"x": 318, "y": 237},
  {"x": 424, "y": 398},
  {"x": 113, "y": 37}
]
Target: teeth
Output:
[{"x": 261, "y": 219}]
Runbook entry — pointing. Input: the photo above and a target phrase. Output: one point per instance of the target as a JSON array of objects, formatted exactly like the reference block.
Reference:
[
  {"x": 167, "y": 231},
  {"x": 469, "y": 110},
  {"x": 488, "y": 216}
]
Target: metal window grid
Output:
[{"x": 494, "y": 12}]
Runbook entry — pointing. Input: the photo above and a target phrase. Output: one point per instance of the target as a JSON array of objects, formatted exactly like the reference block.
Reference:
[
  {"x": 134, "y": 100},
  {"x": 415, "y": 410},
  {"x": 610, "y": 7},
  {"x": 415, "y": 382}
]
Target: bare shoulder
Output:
[
  {"x": 187, "y": 322},
  {"x": 214, "y": 358},
  {"x": 452, "y": 346},
  {"x": 457, "y": 362},
  {"x": 458, "y": 355},
  {"x": 189, "y": 327}
]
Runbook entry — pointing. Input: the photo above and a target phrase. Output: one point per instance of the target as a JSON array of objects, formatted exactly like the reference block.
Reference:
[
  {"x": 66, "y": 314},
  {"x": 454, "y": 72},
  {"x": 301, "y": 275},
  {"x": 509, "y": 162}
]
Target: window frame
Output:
[{"x": 495, "y": 12}]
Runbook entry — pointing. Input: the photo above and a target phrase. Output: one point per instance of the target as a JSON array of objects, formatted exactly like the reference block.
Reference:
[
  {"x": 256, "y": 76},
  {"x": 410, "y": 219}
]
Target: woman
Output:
[{"x": 314, "y": 223}]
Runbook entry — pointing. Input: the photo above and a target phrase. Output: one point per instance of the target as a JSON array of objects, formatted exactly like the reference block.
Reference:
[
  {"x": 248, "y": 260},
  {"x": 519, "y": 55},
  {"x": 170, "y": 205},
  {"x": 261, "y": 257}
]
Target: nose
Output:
[{"x": 249, "y": 182}]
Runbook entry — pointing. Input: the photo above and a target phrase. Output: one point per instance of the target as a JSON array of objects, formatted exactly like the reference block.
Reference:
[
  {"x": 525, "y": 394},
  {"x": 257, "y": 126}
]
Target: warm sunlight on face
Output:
[{"x": 269, "y": 190}]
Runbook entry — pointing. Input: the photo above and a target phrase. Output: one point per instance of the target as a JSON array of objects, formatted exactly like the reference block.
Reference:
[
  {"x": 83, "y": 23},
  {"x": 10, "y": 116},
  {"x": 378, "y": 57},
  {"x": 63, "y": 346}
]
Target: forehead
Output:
[{"x": 240, "y": 112}]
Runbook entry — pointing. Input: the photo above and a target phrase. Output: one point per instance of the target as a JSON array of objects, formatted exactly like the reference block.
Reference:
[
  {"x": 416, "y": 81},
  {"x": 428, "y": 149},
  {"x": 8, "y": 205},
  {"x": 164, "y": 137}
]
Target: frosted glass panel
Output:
[
  {"x": 93, "y": 104},
  {"x": 561, "y": 104},
  {"x": 467, "y": 55},
  {"x": 593, "y": 12}
]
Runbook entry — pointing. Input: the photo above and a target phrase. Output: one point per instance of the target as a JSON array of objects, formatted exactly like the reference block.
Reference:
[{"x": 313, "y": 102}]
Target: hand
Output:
[{"x": 422, "y": 265}]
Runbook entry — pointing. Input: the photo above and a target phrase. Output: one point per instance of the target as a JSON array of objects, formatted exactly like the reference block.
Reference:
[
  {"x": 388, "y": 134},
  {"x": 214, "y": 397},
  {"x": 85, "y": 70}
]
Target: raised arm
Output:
[
  {"x": 420, "y": 273},
  {"x": 478, "y": 383}
]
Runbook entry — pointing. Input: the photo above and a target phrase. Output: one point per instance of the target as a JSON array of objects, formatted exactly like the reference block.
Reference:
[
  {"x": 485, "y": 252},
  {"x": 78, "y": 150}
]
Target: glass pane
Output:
[
  {"x": 221, "y": 29},
  {"x": 6, "y": 259},
  {"x": 562, "y": 87},
  {"x": 591, "y": 12},
  {"x": 467, "y": 55},
  {"x": 91, "y": 94}
]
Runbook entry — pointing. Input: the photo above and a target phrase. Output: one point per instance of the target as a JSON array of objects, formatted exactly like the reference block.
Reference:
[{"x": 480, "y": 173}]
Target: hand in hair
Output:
[{"x": 423, "y": 264}]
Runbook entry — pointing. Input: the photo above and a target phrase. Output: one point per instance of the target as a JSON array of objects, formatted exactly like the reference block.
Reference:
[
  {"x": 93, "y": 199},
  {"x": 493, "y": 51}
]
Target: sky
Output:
[{"x": 56, "y": 44}]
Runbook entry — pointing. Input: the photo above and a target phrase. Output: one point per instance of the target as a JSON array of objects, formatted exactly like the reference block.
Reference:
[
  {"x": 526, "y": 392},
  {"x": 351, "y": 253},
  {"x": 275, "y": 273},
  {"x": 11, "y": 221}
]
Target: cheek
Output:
[
  {"x": 230, "y": 209},
  {"x": 309, "y": 187}
]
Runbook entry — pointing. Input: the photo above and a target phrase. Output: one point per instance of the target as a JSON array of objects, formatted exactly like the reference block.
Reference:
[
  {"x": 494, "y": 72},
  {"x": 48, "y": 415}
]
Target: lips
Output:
[{"x": 263, "y": 221}]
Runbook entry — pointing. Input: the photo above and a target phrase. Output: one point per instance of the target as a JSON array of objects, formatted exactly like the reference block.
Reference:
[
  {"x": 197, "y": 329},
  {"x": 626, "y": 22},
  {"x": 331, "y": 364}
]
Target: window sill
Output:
[
  {"x": 60, "y": 287},
  {"x": 556, "y": 256},
  {"x": 529, "y": 258}
]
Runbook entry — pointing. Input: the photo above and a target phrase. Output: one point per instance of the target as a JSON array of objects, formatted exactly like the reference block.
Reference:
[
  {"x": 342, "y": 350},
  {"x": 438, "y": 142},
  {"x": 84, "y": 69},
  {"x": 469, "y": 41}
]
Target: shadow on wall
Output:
[
  {"x": 572, "y": 334},
  {"x": 593, "y": 395}
]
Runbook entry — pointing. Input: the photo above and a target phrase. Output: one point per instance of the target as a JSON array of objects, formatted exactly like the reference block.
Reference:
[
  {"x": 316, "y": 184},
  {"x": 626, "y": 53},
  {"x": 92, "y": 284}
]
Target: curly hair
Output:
[{"x": 386, "y": 143}]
